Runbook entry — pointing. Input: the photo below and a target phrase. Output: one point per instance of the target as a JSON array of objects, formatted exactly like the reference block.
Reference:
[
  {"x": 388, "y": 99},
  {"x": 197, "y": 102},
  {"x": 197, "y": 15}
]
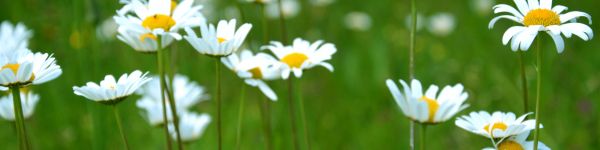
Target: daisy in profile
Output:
[
  {"x": 496, "y": 125},
  {"x": 142, "y": 23},
  {"x": 539, "y": 16},
  {"x": 254, "y": 69},
  {"x": 22, "y": 68},
  {"x": 28, "y": 100},
  {"x": 111, "y": 91},
  {"x": 517, "y": 142},
  {"x": 220, "y": 41},
  {"x": 13, "y": 38},
  {"x": 192, "y": 126},
  {"x": 186, "y": 93},
  {"x": 429, "y": 107},
  {"x": 302, "y": 55}
]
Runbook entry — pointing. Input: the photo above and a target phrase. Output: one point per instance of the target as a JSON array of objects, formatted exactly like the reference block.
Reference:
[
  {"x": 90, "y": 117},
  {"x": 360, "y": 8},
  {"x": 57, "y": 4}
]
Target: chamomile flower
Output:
[
  {"x": 220, "y": 41},
  {"x": 112, "y": 91},
  {"x": 302, "y": 55},
  {"x": 191, "y": 126},
  {"x": 22, "y": 68},
  {"x": 496, "y": 125},
  {"x": 358, "y": 21},
  {"x": 290, "y": 9},
  {"x": 13, "y": 38},
  {"x": 441, "y": 24},
  {"x": 430, "y": 107},
  {"x": 254, "y": 69},
  {"x": 141, "y": 22},
  {"x": 28, "y": 101},
  {"x": 518, "y": 142},
  {"x": 186, "y": 93},
  {"x": 539, "y": 16}
]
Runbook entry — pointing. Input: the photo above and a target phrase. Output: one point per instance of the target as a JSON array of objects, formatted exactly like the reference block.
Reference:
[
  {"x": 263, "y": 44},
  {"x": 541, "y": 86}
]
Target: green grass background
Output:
[{"x": 350, "y": 108}]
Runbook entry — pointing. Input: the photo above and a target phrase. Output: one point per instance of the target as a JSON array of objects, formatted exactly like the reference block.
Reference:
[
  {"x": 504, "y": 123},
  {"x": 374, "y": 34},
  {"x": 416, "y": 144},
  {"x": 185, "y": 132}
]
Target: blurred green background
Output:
[{"x": 350, "y": 108}]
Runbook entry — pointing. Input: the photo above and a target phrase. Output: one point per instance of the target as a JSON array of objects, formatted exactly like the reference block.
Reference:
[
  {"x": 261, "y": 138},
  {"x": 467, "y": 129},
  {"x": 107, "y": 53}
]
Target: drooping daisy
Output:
[
  {"x": 28, "y": 102},
  {"x": 254, "y": 69},
  {"x": 441, "y": 24},
  {"x": 186, "y": 93},
  {"x": 539, "y": 16},
  {"x": 518, "y": 143},
  {"x": 13, "y": 38},
  {"x": 302, "y": 55},
  {"x": 191, "y": 126},
  {"x": 496, "y": 125},
  {"x": 112, "y": 91},
  {"x": 220, "y": 41},
  {"x": 22, "y": 68},
  {"x": 430, "y": 107},
  {"x": 141, "y": 22}
]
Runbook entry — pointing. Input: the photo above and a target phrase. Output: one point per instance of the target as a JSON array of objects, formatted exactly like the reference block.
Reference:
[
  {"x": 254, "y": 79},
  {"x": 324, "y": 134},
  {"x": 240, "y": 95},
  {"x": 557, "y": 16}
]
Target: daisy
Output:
[
  {"x": 539, "y": 16},
  {"x": 518, "y": 143},
  {"x": 302, "y": 55},
  {"x": 220, "y": 41},
  {"x": 441, "y": 24},
  {"x": 28, "y": 100},
  {"x": 22, "y": 68},
  {"x": 112, "y": 91},
  {"x": 254, "y": 69},
  {"x": 13, "y": 38},
  {"x": 186, "y": 93},
  {"x": 429, "y": 107},
  {"x": 191, "y": 125},
  {"x": 358, "y": 21},
  {"x": 142, "y": 23},
  {"x": 290, "y": 9},
  {"x": 496, "y": 125}
]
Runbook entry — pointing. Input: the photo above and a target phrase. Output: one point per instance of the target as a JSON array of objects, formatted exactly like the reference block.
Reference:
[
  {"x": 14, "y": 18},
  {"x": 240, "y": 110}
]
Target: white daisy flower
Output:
[
  {"x": 358, "y": 21},
  {"x": 291, "y": 8},
  {"x": 254, "y": 69},
  {"x": 497, "y": 125},
  {"x": 112, "y": 91},
  {"x": 220, "y": 41},
  {"x": 28, "y": 101},
  {"x": 191, "y": 126},
  {"x": 141, "y": 22},
  {"x": 13, "y": 38},
  {"x": 518, "y": 143},
  {"x": 482, "y": 7},
  {"x": 539, "y": 16},
  {"x": 21, "y": 68},
  {"x": 186, "y": 93},
  {"x": 429, "y": 107},
  {"x": 302, "y": 55},
  {"x": 441, "y": 24}
]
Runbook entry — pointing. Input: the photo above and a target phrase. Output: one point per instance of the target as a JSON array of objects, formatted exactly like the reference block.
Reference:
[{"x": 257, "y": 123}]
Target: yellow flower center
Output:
[
  {"x": 544, "y": 17},
  {"x": 294, "y": 60},
  {"x": 143, "y": 37},
  {"x": 256, "y": 73},
  {"x": 432, "y": 105},
  {"x": 497, "y": 125},
  {"x": 15, "y": 69},
  {"x": 158, "y": 21},
  {"x": 510, "y": 145},
  {"x": 221, "y": 40}
]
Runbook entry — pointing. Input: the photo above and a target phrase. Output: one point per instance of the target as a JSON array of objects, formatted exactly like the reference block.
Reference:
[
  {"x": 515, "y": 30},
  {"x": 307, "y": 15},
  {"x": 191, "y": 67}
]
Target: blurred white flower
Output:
[
  {"x": 112, "y": 91},
  {"x": 482, "y": 7},
  {"x": 220, "y": 41},
  {"x": 496, "y": 125},
  {"x": 107, "y": 30},
  {"x": 442, "y": 24},
  {"x": 258, "y": 1},
  {"x": 23, "y": 67},
  {"x": 291, "y": 8},
  {"x": 28, "y": 102},
  {"x": 301, "y": 55},
  {"x": 518, "y": 142},
  {"x": 191, "y": 126},
  {"x": 358, "y": 21},
  {"x": 254, "y": 69},
  {"x": 321, "y": 3},
  {"x": 428, "y": 106},
  {"x": 13, "y": 38},
  {"x": 420, "y": 21}
]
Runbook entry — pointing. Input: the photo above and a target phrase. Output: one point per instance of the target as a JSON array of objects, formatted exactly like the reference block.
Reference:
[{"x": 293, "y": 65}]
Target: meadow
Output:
[{"x": 349, "y": 108}]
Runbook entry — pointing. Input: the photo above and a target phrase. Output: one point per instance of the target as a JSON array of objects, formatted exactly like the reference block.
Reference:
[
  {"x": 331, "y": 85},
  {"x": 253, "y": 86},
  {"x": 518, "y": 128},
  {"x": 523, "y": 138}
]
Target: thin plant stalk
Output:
[
  {"x": 218, "y": 100},
  {"x": 304, "y": 126},
  {"x": 423, "y": 136},
  {"x": 524, "y": 83},
  {"x": 118, "y": 118},
  {"x": 240, "y": 118},
  {"x": 292, "y": 113},
  {"x": 19, "y": 119},
  {"x": 282, "y": 22},
  {"x": 171, "y": 100},
  {"x": 266, "y": 121},
  {"x": 264, "y": 23},
  {"x": 162, "y": 89},
  {"x": 411, "y": 64},
  {"x": 538, "y": 94}
]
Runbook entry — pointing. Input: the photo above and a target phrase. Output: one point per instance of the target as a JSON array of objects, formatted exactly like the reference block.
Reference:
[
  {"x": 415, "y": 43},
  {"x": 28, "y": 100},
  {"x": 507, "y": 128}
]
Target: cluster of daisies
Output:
[{"x": 504, "y": 129}]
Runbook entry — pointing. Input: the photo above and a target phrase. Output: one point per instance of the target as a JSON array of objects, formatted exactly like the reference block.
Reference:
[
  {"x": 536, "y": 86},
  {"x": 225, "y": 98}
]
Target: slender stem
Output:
[
  {"x": 282, "y": 22},
  {"x": 19, "y": 119},
  {"x": 538, "y": 94},
  {"x": 292, "y": 111},
  {"x": 218, "y": 99},
  {"x": 265, "y": 24},
  {"x": 411, "y": 63},
  {"x": 304, "y": 126},
  {"x": 118, "y": 118},
  {"x": 423, "y": 135},
  {"x": 412, "y": 135},
  {"x": 173, "y": 106},
  {"x": 240, "y": 117},
  {"x": 266, "y": 119},
  {"x": 524, "y": 83},
  {"x": 161, "y": 73}
]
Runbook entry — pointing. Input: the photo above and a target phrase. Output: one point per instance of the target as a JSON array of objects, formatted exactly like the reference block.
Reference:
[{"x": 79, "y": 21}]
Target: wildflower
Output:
[
  {"x": 220, "y": 41},
  {"x": 302, "y": 55},
  {"x": 254, "y": 69},
  {"x": 112, "y": 91}
]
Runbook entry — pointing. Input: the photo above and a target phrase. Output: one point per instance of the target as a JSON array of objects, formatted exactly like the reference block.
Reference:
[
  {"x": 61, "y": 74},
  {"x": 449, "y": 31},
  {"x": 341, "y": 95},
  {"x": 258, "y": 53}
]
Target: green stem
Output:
[
  {"x": 265, "y": 24},
  {"x": 411, "y": 63},
  {"x": 266, "y": 121},
  {"x": 173, "y": 106},
  {"x": 292, "y": 111},
  {"x": 282, "y": 22},
  {"x": 161, "y": 73},
  {"x": 423, "y": 136},
  {"x": 118, "y": 118},
  {"x": 240, "y": 117},
  {"x": 524, "y": 83},
  {"x": 218, "y": 100},
  {"x": 304, "y": 126},
  {"x": 19, "y": 119},
  {"x": 538, "y": 94}
]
